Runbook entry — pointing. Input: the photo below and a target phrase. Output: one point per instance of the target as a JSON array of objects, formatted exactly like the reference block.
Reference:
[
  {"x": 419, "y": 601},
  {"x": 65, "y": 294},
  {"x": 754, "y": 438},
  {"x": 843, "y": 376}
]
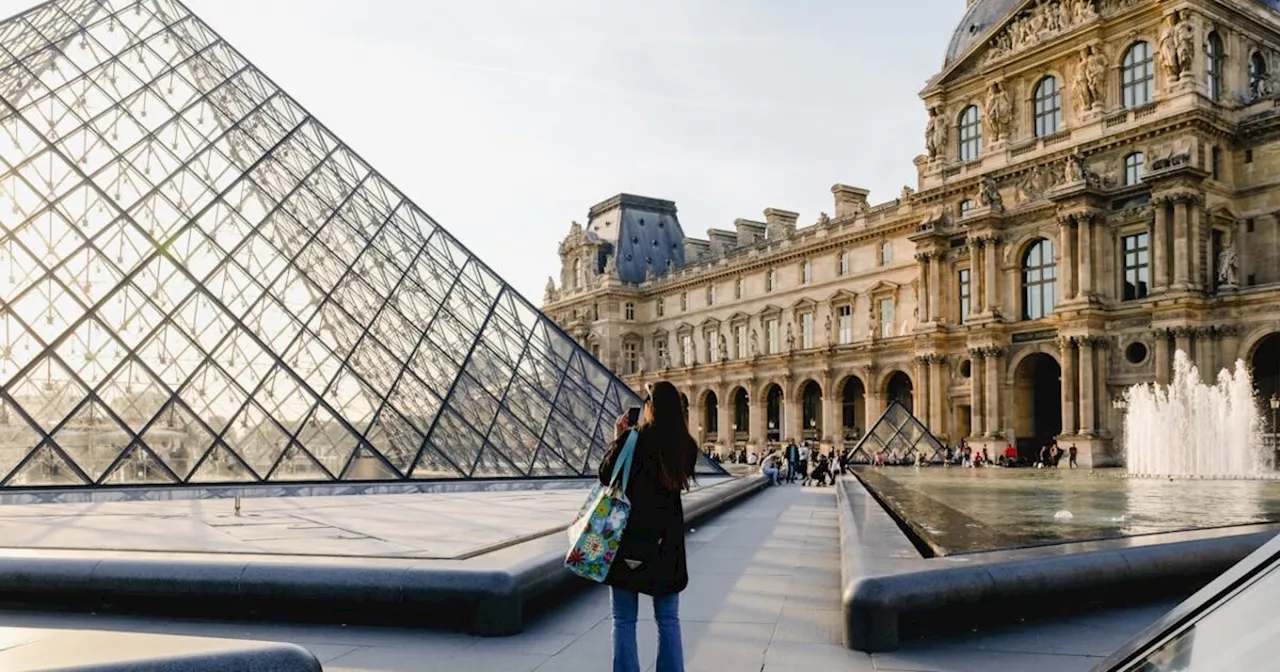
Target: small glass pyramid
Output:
[
  {"x": 898, "y": 434},
  {"x": 200, "y": 283}
]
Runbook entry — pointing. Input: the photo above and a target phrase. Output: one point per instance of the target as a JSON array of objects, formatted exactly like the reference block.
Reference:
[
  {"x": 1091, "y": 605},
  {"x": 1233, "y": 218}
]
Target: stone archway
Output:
[
  {"x": 1264, "y": 367},
  {"x": 853, "y": 408},
  {"x": 899, "y": 388},
  {"x": 711, "y": 416},
  {"x": 741, "y": 415},
  {"x": 811, "y": 411},
  {"x": 773, "y": 414},
  {"x": 1037, "y": 403}
]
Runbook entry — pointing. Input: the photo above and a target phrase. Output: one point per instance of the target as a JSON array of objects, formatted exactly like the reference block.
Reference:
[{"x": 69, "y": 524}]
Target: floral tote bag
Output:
[{"x": 595, "y": 534}]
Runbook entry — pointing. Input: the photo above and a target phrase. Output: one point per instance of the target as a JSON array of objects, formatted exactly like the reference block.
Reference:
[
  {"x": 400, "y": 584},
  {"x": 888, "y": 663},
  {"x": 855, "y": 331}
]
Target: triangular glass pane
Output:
[
  {"x": 137, "y": 466},
  {"x": 452, "y": 436},
  {"x": 256, "y": 438},
  {"x": 45, "y": 468},
  {"x": 92, "y": 438},
  {"x": 178, "y": 437},
  {"x": 298, "y": 465},
  {"x": 17, "y": 439},
  {"x": 369, "y": 466},
  {"x": 492, "y": 464},
  {"x": 394, "y": 436},
  {"x": 221, "y": 466},
  {"x": 547, "y": 463},
  {"x": 433, "y": 466},
  {"x": 328, "y": 440}
]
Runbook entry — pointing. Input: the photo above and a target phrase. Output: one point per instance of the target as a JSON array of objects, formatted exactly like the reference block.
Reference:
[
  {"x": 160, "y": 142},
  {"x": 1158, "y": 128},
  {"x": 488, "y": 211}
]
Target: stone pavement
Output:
[{"x": 764, "y": 595}]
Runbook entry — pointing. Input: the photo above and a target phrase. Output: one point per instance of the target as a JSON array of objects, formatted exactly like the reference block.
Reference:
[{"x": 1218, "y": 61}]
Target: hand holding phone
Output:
[{"x": 633, "y": 416}]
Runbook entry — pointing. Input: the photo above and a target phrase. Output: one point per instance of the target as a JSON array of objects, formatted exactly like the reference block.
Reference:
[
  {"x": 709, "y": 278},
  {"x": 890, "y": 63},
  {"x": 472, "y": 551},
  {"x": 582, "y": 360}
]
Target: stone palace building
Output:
[{"x": 1100, "y": 189}]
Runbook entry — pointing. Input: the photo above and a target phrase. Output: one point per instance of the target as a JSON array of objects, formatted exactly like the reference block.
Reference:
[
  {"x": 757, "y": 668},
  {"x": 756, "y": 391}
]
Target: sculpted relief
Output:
[
  {"x": 1090, "y": 82},
  {"x": 935, "y": 134},
  {"x": 999, "y": 118},
  {"x": 1177, "y": 45},
  {"x": 1040, "y": 22}
]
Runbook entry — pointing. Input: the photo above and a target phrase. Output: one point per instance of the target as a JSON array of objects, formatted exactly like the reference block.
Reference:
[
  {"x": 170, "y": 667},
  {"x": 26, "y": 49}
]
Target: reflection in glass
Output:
[{"x": 200, "y": 283}]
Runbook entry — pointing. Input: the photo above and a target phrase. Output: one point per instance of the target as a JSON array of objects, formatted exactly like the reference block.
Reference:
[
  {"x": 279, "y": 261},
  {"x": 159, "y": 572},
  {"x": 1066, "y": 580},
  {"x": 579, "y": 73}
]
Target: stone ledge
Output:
[
  {"x": 486, "y": 594},
  {"x": 93, "y": 651},
  {"x": 886, "y": 586}
]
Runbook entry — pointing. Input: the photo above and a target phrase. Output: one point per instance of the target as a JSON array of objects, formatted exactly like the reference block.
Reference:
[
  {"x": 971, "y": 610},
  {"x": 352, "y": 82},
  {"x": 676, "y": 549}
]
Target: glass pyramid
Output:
[
  {"x": 199, "y": 283},
  {"x": 898, "y": 434}
]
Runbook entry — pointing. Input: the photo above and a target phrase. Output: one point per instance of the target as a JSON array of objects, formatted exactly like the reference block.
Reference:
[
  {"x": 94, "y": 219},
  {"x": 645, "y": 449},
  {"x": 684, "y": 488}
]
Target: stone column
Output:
[
  {"x": 1182, "y": 341},
  {"x": 937, "y": 307},
  {"x": 831, "y": 434},
  {"x": 991, "y": 277},
  {"x": 926, "y": 295},
  {"x": 977, "y": 407},
  {"x": 1070, "y": 380},
  {"x": 1195, "y": 241},
  {"x": 1206, "y": 354},
  {"x": 1067, "y": 257},
  {"x": 924, "y": 396},
  {"x": 994, "y": 356},
  {"x": 1181, "y": 245},
  {"x": 975, "y": 276},
  {"x": 1085, "y": 227},
  {"x": 724, "y": 420},
  {"x": 1088, "y": 386},
  {"x": 1163, "y": 358},
  {"x": 1160, "y": 245},
  {"x": 938, "y": 395},
  {"x": 874, "y": 400},
  {"x": 758, "y": 411},
  {"x": 792, "y": 418},
  {"x": 1230, "y": 346}
]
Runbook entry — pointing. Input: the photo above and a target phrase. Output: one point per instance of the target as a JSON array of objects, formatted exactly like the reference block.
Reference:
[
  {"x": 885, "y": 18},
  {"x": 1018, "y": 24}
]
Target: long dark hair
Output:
[{"x": 663, "y": 431}]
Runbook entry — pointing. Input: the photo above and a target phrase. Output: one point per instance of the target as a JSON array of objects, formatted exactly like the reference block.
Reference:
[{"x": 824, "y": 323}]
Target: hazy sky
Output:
[{"x": 506, "y": 119}]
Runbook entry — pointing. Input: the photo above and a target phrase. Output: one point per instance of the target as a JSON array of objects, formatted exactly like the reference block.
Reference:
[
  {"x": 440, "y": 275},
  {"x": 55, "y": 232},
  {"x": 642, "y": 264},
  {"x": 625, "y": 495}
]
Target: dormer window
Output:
[
  {"x": 769, "y": 281},
  {"x": 806, "y": 272},
  {"x": 886, "y": 253},
  {"x": 684, "y": 301},
  {"x": 844, "y": 263},
  {"x": 738, "y": 288},
  {"x": 711, "y": 295}
]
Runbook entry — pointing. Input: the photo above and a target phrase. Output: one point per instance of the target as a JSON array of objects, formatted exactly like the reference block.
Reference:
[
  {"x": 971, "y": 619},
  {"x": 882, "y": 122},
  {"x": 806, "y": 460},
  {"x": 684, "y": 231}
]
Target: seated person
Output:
[{"x": 770, "y": 465}]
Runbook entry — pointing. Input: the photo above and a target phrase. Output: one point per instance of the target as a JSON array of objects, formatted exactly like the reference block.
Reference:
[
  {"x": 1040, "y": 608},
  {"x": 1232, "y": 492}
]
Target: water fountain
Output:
[{"x": 1188, "y": 429}]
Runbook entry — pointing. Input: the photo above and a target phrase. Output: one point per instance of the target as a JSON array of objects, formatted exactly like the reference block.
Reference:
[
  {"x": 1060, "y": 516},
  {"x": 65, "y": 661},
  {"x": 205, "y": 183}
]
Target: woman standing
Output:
[{"x": 651, "y": 557}]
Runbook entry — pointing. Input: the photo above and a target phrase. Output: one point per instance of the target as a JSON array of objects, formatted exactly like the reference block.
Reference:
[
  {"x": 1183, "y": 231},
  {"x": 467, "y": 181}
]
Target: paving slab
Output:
[{"x": 33, "y": 650}]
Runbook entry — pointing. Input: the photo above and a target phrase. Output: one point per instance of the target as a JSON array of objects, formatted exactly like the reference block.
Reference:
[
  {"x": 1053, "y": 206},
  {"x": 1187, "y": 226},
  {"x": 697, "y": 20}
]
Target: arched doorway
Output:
[
  {"x": 811, "y": 411},
  {"x": 684, "y": 404},
  {"x": 900, "y": 389},
  {"x": 1264, "y": 366},
  {"x": 1037, "y": 403},
  {"x": 741, "y": 415},
  {"x": 711, "y": 416},
  {"x": 853, "y": 409},
  {"x": 773, "y": 413}
]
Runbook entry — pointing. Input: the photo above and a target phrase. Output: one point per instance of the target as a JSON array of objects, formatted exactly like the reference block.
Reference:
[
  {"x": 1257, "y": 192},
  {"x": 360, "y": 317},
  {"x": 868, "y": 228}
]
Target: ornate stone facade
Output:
[{"x": 1123, "y": 202}]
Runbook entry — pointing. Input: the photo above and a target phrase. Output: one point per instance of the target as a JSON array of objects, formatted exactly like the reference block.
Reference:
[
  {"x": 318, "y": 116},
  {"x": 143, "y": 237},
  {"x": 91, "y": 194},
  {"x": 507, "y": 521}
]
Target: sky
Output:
[{"x": 506, "y": 119}]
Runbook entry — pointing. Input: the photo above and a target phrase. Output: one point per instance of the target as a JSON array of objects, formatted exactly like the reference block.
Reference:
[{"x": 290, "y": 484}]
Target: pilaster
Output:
[
  {"x": 938, "y": 394},
  {"x": 922, "y": 377},
  {"x": 1181, "y": 245},
  {"x": 1160, "y": 246},
  {"x": 993, "y": 356},
  {"x": 977, "y": 392},
  {"x": 758, "y": 411},
  {"x": 1089, "y": 384},
  {"x": 724, "y": 420},
  {"x": 1070, "y": 384},
  {"x": 1164, "y": 360},
  {"x": 991, "y": 276},
  {"x": 1067, "y": 256},
  {"x": 926, "y": 287}
]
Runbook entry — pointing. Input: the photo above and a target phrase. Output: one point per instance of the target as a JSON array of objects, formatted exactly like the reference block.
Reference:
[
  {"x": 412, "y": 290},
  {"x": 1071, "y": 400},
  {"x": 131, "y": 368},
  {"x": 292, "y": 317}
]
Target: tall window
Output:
[
  {"x": 844, "y": 263},
  {"x": 1137, "y": 265},
  {"x": 806, "y": 272},
  {"x": 966, "y": 206},
  {"x": 1257, "y": 71},
  {"x": 1213, "y": 66},
  {"x": 769, "y": 280},
  {"x": 709, "y": 346},
  {"x": 661, "y": 346},
  {"x": 1048, "y": 107},
  {"x": 737, "y": 288},
  {"x": 970, "y": 133},
  {"x": 806, "y": 331},
  {"x": 844, "y": 314},
  {"x": 1133, "y": 168},
  {"x": 771, "y": 337},
  {"x": 629, "y": 311},
  {"x": 684, "y": 301},
  {"x": 686, "y": 347},
  {"x": 1138, "y": 75},
  {"x": 886, "y": 318},
  {"x": 740, "y": 340},
  {"x": 1039, "y": 280},
  {"x": 886, "y": 254},
  {"x": 711, "y": 295},
  {"x": 965, "y": 285},
  {"x": 577, "y": 274},
  {"x": 630, "y": 357},
  {"x": 660, "y": 307}
]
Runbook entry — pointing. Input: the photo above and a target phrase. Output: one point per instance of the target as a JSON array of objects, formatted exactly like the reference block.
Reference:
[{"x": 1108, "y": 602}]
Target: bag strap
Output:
[{"x": 624, "y": 461}]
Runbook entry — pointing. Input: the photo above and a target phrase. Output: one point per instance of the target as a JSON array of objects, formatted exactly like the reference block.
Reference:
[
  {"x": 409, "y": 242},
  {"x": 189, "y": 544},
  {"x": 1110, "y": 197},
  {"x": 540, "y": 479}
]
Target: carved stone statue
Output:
[
  {"x": 935, "y": 134},
  {"x": 549, "y": 294},
  {"x": 1091, "y": 75},
  {"x": 755, "y": 343},
  {"x": 1185, "y": 43},
  {"x": 1167, "y": 47},
  {"x": 664, "y": 362},
  {"x": 1229, "y": 266},
  {"x": 824, "y": 219},
  {"x": 988, "y": 194},
  {"x": 611, "y": 266},
  {"x": 999, "y": 113},
  {"x": 1075, "y": 170},
  {"x": 648, "y": 273},
  {"x": 723, "y": 346},
  {"x": 791, "y": 338},
  {"x": 827, "y": 327}
]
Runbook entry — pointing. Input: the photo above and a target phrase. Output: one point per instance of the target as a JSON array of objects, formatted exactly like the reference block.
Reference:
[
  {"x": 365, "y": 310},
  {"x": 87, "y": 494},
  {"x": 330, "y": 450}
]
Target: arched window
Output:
[
  {"x": 577, "y": 274},
  {"x": 1213, "y": 66},
  {"x": 1133, "y": 168},
  {"x": 1257, "y": 72},
  {"x": 1039, "y": 280},
  {"x": 1048, "y": 107},
  {"x": 1138, "y": 75},
  {"x": 965, "y": 207},
  {"x": 970, "y": 133}
]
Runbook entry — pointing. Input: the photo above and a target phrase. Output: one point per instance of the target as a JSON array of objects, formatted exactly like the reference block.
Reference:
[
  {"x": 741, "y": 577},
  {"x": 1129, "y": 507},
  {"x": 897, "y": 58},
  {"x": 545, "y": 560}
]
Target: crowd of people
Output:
[{"x": 812, "y": 465}]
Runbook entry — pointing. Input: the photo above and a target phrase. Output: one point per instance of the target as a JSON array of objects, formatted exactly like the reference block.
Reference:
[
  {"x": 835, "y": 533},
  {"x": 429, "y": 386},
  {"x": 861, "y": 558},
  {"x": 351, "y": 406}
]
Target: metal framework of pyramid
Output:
[
  {"x": 900, "y": 435},
  {"x": 199, "y": 283}
]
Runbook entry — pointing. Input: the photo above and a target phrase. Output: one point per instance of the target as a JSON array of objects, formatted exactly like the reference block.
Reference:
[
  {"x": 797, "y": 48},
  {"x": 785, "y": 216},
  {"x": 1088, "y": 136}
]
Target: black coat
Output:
[{"x": 654, "y": 534}]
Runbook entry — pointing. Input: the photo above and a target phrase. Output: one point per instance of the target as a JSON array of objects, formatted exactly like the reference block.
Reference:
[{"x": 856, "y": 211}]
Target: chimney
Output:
[
  {"x": 850, "y": 201},
  {"x": 780, "y": 223}
]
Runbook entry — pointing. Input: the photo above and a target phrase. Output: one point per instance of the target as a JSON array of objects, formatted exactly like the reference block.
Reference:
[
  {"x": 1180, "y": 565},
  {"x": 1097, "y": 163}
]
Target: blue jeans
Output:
[{"x": 666, "y": 611}]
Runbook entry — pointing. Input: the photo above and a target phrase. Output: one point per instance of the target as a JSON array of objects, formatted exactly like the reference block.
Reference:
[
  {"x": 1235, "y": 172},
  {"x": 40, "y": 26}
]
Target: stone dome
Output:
[{"x": 976, "y": 22}]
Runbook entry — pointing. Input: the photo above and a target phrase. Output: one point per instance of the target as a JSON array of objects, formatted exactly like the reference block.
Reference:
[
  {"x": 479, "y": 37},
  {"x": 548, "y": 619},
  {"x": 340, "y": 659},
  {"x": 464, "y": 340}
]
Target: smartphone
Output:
[{"x": 633, "y": 416}]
